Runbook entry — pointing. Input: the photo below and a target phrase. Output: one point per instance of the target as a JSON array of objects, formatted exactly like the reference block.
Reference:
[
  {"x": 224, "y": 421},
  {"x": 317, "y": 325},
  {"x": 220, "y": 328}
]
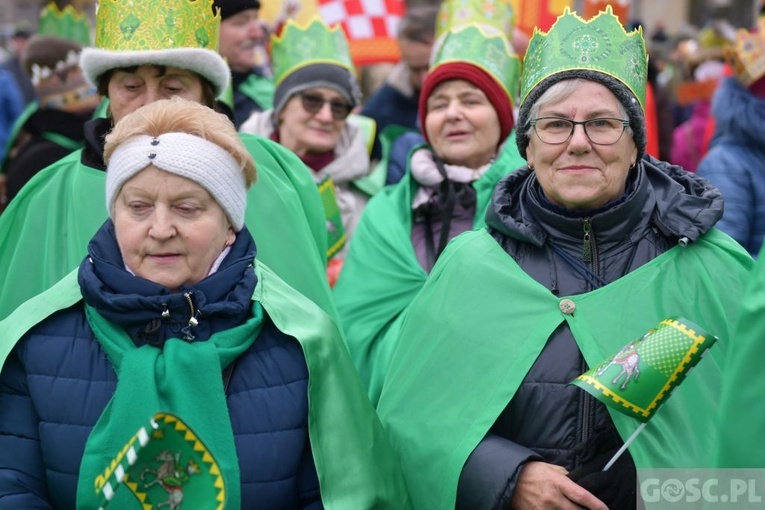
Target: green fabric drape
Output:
[
  {"x": 260, "y": 89},
  {"x": 45, "y": 231},
  {"x": 381, "y": 274},
  {"x": 480, "y": 322},
  {"x": 356, "y": 465},
  {"x": 182, "y": 378},
  {"x": 742, "y": 416}
]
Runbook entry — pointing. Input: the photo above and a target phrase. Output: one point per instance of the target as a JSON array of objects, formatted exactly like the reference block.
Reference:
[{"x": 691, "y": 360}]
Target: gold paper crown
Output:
[
  {"x": 313, "y": 43},
  {"x": 66, "y": 24},
  {"x": 747, "y": 54},
  {"x": 600, "y": 44},
  {"x": 142, "y": 25}
]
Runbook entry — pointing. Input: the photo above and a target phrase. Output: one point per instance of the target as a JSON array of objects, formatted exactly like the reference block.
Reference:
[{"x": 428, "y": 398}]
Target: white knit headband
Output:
[{"x": 186, "y": 155}]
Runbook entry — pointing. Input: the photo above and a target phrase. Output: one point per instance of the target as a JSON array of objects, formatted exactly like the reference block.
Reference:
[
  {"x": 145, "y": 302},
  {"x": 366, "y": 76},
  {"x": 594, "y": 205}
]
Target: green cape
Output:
[
  {"x": 260, "y": 89},
  {"x": 355, "y": 463},
  {"x": 480, "y": 322},
  {"x": 45, "y": 231},
  {"x": 381, "y": 274},
  {"x": 742, "y": 414}
]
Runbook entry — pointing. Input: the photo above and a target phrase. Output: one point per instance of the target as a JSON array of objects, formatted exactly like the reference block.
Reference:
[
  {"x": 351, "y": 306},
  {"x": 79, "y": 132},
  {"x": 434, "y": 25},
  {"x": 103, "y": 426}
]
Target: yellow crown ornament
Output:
[
  {"x": 746, "y": 54},
  {"x": 173, "y": 33},
  {"x": 478, "y": 32},
  {"x": 298, "y": 46},
  {"x": 67, "y": 24}
]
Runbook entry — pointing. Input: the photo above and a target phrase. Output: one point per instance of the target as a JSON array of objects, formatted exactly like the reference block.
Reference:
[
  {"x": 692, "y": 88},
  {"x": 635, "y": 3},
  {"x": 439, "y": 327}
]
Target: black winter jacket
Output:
[{"x": 548, "y": 419}]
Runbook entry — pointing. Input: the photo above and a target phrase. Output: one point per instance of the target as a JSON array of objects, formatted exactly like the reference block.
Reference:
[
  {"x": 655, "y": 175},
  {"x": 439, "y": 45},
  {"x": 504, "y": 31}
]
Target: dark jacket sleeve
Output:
[
  {"x": 490, "y": 475},
  {"x": 22, "y": 476}
]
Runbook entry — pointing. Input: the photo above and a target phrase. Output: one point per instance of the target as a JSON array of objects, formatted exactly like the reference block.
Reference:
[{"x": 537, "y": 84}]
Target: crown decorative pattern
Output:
[
  {"x": 66, "y": 24},
  {"x": 140, "y": 25},
  {"x": 489, "y": 51},
  {"x": 600, "y": 44},
  {"x": 746, "y": 54},
  {"x": 313, "y": 43},
  {"x": 494, "y": 13}
]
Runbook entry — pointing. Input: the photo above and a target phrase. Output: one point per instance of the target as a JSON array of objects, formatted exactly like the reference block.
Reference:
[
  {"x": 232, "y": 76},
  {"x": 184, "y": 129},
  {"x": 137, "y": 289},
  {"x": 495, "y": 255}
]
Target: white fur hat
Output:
[{"x": 207, "y": 63}]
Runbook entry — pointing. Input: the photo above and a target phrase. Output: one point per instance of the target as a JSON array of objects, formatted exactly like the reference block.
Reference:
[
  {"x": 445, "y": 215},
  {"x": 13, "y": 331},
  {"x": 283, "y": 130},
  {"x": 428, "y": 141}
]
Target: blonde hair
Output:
[{"x": 178, "y": 115}]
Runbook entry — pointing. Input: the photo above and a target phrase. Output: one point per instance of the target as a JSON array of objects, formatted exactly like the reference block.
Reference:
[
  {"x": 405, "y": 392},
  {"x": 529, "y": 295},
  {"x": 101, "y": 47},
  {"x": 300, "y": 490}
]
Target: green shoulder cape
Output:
[
  {"x": 381, "y": 274},
  {"x": 356, "y": 466},
  {"x": 480, "y": 321},
  {"x": 45, "y": 230},
  {"x": 742, "y": 413}
]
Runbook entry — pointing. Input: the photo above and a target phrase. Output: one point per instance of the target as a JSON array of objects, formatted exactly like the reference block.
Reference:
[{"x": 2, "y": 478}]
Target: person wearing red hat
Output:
[{"x": 466, "y": 116}]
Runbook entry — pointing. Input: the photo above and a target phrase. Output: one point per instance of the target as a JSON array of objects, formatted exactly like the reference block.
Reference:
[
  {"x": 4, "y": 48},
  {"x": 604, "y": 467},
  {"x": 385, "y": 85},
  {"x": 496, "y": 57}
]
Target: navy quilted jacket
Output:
[{"x": 57, "y": 381}]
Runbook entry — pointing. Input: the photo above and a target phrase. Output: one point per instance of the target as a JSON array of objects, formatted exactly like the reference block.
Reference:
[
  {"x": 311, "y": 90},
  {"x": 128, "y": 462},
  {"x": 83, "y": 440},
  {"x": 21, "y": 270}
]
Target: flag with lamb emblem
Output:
[{"x": 639, "y": 378}]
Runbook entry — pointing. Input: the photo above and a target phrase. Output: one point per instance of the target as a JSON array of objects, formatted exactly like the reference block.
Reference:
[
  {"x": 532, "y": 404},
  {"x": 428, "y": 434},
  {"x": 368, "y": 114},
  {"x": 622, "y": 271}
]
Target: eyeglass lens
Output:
[
  {"x": 603, "y": 131},
  {"x": 312, "y": 103}
]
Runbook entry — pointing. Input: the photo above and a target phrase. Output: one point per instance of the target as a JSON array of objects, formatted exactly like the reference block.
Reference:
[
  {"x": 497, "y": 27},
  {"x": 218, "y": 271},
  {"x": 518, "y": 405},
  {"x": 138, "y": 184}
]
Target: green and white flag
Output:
[
  {"x": 165, "y": 465},
  {"x": 639, "y": 378}
]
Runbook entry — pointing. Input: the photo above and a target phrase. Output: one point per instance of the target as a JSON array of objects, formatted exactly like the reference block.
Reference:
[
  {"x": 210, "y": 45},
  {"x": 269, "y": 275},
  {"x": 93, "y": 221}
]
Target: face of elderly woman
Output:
[
  {"x": 579, "y": 174},
  {"x": 462, "y": 125},
  {"x": 170, "y": 230},
  {"x": 312, "y": 120},
  {"x": 128, "y": 91}
]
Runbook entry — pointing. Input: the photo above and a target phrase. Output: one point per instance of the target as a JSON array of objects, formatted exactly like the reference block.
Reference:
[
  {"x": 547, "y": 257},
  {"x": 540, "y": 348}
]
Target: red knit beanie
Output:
[{"x": 478, "y": 77}]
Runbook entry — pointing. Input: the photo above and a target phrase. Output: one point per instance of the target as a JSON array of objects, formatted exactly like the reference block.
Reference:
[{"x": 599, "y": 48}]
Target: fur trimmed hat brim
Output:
[{"x": 207, "y": 63}]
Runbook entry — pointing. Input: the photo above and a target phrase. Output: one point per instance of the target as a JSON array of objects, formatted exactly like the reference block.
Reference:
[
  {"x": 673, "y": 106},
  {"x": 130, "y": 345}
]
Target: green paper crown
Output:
[
  {"x": 485, "y": 48},
  {"x": 141, "y": 25},
  {"x": 494, "y": 13},
  {"x": 66, "y": 24},
  {"x": 600, "y": 44},
  {"x": 301, "y": 45}
]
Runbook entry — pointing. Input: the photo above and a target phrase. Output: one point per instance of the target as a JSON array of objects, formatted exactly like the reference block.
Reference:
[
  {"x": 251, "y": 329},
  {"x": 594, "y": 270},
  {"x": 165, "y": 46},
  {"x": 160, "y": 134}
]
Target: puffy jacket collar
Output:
[
  {"x": 678, "y": 203},
  {"x": 220, "y": 301}
]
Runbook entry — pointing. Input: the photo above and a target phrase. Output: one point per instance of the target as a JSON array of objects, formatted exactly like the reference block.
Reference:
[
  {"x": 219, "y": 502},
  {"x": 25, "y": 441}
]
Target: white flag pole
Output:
[{"x": 625, "y": 445}]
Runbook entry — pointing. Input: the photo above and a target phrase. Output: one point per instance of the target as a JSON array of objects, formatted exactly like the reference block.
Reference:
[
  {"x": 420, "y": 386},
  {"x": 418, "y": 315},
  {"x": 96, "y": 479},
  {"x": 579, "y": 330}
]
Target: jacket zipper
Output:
[
  {"x": 588, "y": 402},
  {"x": 188, "y": 335}
]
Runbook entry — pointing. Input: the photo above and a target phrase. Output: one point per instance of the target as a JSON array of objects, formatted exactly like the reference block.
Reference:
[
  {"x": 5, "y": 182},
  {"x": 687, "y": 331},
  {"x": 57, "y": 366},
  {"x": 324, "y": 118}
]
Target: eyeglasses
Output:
[
  {"x": 313, "y": 103},
  {"x": 556, "y": 130}
]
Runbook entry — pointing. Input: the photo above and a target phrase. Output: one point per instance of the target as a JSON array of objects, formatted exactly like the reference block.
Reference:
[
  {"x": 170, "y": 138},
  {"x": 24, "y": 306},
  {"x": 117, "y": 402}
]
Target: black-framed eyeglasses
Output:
[
  {"x": 557, "y": 130},
  {"x": 313, "y": 103}
]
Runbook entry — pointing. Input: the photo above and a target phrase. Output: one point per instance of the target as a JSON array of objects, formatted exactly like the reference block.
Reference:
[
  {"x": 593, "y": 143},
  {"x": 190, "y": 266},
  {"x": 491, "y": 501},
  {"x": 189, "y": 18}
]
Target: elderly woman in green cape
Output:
[
  {"x": 467, "y": 114},
  {"x": 316, "y": 90},
  {"x": 172, "y": 312},
  {"x": 46, "y": 229},
  {"x": 585, "y": 249}
]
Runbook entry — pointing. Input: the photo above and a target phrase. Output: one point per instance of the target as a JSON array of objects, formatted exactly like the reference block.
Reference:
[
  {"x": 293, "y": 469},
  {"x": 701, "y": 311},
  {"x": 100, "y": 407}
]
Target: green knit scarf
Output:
[{"x": 181, "y": 378}]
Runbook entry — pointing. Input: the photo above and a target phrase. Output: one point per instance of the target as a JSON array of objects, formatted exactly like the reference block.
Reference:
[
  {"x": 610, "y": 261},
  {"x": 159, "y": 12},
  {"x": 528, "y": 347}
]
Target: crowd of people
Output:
[{"x": 371, "y": 302}]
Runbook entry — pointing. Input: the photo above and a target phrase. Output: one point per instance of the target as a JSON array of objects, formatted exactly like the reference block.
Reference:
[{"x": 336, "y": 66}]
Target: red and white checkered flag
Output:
[{"x": 370, "y": 25}]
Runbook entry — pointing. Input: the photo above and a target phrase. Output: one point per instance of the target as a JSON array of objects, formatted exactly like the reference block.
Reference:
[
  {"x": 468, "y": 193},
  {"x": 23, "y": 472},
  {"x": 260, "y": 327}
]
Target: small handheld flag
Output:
[
  {"x": 639, "y": 378},
  {"x": 165, "y": 465}
]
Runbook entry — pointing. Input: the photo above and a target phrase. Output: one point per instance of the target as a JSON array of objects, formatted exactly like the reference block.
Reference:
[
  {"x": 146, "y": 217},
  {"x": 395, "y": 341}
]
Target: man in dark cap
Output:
[{"x": 241, "y": 33}]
